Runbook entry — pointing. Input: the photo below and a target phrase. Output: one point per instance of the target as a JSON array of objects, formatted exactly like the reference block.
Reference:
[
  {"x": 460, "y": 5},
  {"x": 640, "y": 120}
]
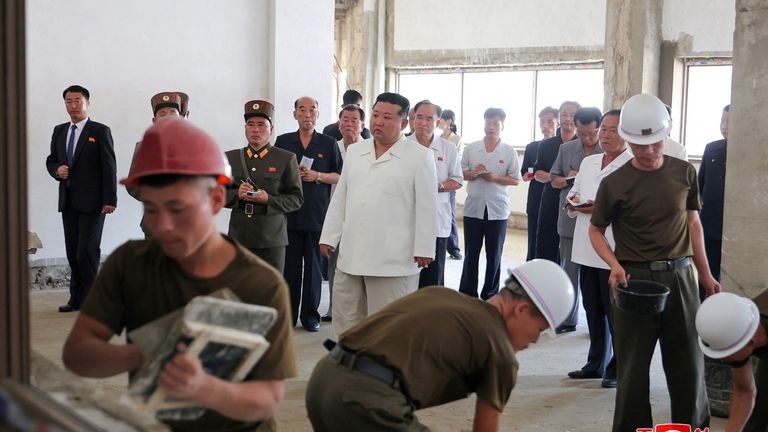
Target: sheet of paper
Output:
[{"x": 306, "y": 162}]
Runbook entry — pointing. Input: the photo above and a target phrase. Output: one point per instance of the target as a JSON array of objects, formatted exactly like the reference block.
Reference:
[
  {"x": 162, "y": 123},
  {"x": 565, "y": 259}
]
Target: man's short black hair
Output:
[
  {"x": 428, "y": 102},
  {"x": 613, "y": 112},
  {"x": 495, "y": 112},
  {"x": 296, "y": 103},
  {"x": 587, "y": 115},
  {"x": 396, "y": 99},
  {"x": 353, "y": 108},
  {"x": 77, "y": 89},
  {"x": 548, "y": 110},
  {"x": 351, "y": 97},
  {"x": 727, "y": 108}
]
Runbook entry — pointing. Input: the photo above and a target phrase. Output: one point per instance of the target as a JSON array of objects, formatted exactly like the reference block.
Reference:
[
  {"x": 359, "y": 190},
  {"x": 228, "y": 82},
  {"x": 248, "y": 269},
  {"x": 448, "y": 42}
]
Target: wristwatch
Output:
[{"x": 317, "y": 179}]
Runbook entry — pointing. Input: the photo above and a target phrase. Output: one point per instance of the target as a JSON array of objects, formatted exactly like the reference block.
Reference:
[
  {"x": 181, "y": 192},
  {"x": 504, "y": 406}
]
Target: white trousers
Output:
[{"x": 355, "y": 297}]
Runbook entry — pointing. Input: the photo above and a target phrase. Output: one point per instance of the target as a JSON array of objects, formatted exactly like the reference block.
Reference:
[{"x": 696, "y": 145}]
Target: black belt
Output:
[
  {"x": 663, "y": 265},
  {"x": 363, "y": 364}
]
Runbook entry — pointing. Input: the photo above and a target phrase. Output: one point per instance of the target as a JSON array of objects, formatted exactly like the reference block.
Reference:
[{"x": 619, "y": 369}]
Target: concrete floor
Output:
[{"x": 544, "y": 398}]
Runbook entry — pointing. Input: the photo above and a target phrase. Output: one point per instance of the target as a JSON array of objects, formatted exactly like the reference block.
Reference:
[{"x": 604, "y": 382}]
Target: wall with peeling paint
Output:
[{"x": 700, "y": 27}]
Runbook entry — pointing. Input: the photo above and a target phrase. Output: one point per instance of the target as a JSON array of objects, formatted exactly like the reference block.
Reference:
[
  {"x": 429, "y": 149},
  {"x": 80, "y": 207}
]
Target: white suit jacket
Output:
[{"x": 382, "y": 214}]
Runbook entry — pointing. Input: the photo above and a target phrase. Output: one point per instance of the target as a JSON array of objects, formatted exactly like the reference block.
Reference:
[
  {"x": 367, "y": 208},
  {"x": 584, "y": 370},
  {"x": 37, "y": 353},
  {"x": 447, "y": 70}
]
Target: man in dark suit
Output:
[
  {"x": 82, "y": 160},
  {"x": 319, "y": 167},
  {"x": 350, "y": 97}
]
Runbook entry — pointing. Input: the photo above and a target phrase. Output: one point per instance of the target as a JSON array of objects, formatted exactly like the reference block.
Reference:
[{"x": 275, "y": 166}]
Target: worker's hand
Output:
[
  {"x": 587, "y": 209},
  {"x": 422, "y": 261},
  {"x": 326, "y": 250},
  {"x": 711, "y": 286},
  {"x": 307, "y": 175},
  {"x": 261, "y": 198},
  {"x": 618, "y": 276},
  {"x": 107, "y": 209},
  {"x": 572, "y": 173},
  {"x": 183, "y": 376},
  {"x": 489, "y": 176},
  {"x": 62, "y": 172}
]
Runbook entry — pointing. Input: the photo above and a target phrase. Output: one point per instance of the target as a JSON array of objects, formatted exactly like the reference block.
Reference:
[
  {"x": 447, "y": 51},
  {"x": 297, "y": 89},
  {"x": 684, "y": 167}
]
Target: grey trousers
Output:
[
  {"x": 572, "y": 269},
  {"x": 635, "y": 340}
]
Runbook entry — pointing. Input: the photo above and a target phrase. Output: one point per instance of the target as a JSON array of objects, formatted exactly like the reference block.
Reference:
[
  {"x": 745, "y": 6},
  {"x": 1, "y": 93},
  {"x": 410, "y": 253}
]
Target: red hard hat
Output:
[{"x": 175, "y": 146}]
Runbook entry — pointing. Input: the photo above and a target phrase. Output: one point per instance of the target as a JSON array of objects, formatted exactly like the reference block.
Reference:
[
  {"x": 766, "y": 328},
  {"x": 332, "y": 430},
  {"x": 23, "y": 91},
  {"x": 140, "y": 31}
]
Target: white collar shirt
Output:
[
  {"x": 80, "y": 125},
  {"x": 448, "y": 167},
  {"x": 585, "y": 186},
  {"x": 481, "y": 194}
]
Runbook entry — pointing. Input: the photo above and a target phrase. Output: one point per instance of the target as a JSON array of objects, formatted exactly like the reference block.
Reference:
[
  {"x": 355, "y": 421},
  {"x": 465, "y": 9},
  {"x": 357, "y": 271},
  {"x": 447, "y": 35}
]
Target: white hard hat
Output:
[
  {"x": 644, "y": 120},
  {"x": 549, "y": 287},
  {"x": 726, "y": 322}
]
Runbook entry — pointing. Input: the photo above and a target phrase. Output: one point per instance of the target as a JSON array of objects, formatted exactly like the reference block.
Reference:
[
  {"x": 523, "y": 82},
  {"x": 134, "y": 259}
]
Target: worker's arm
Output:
[
  {"x": 542, "y": 176},
  {"x": 503, "y": 180},
  {"x": 486, "y": 417},
  {"x": 185, "y": 378},
  {"x": 603, "y": 249},
  {"x": 87, "y": 351},
  {"x": 699, "y": 255},
  {"x": 742, "y": 399}
]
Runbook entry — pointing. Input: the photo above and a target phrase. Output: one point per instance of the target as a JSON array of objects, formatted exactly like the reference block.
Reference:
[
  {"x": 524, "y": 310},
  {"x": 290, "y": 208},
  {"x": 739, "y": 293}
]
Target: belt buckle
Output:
[
  {"x": 249, "y": 209},
  {"x": 660, "y": 266}
]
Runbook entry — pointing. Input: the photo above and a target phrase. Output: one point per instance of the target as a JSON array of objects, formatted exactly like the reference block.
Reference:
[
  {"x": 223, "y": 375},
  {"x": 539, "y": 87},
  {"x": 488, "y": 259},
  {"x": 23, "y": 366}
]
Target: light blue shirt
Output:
[{"x": 481, "y": 194}]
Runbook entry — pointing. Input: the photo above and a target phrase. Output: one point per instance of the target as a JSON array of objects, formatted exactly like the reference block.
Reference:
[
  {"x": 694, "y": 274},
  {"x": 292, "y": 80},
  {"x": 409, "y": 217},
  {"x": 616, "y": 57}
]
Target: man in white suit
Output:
[{"x": 381, "y": 217}]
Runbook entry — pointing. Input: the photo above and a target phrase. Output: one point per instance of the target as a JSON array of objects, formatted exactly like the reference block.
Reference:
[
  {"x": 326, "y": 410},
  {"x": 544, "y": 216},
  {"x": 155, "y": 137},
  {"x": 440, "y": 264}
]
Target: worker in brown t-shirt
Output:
[
  {"x": 652, "y": 203},
  {"x": 180, "y": 173},
  {"x": 433, "y": 347}
]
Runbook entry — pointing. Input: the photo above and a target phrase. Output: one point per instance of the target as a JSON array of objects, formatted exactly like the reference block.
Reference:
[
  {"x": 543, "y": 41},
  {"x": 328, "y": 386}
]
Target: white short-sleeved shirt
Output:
[
  {"x": 481, "y": 194},
  {"x": 448, "y": 167},
  {"x": 585, "y": 185}
]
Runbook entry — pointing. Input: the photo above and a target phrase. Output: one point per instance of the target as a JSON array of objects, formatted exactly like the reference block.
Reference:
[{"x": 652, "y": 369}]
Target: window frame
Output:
[{"x": 688, "y": 63}]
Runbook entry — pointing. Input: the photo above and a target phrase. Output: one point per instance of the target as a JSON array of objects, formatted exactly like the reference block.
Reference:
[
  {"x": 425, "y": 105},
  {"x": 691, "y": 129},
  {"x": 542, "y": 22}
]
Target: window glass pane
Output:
[
  {"x": 709, "y": 91},
  {"x": 444, "y": 89},
  {"x": 584, "y": 86},
  {"x": 511, "y": 91}
]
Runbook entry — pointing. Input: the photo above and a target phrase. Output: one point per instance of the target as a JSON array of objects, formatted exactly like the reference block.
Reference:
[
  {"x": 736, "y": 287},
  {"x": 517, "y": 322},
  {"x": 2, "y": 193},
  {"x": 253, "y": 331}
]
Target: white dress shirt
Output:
[
  {"x": 585, "y": 186},
  {"x": 483, "y": 194},
  {"x": 382, "y": 214},
  {"x": 448, "y": 168},
  {"x": 80, "y": 125}
]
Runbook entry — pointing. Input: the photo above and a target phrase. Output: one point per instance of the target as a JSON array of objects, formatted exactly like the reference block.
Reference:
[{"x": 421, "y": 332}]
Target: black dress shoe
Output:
[
  {"x": 68, "y": 308},
  {"x": 326, "y": 318},
  {"x": 455, "y": 256},
  {"x": 608, "y": 383},
  {"x": 581, "y": 374},
  {"x": 312, "y": 327},
  {"x": 565, "y": 329}
]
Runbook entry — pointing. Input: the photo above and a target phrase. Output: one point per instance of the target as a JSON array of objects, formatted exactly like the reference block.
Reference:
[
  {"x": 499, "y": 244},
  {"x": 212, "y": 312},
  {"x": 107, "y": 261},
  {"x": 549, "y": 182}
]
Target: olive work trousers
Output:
[
  {"x": 635, "y": 340},
  {"x": 339, "y": 398}
]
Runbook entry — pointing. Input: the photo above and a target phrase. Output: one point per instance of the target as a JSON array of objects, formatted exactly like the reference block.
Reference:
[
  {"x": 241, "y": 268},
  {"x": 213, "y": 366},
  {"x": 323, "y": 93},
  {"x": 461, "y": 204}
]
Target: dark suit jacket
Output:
[
  {"x": 712, "y": 188},
  {"x": 93, "y": 174}
]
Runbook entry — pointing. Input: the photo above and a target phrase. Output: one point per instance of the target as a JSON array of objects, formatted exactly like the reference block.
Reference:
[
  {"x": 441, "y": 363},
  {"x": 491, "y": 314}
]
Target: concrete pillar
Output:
[
  {"x": 632, "y": 49},
  {"x": 745, "y": 229}
]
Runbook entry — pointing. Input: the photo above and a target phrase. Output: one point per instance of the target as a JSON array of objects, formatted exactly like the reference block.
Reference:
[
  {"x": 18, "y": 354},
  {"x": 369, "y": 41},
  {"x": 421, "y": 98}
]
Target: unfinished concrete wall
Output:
[{"x": 702, "y": 28}]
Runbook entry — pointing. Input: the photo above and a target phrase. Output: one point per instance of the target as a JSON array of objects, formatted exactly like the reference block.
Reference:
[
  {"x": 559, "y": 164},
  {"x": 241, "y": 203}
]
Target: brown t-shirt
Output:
[
  {"x": 444, "y": 345},
  {"x": 138, "y": 284},
  {"x": 649, "y": 210}
]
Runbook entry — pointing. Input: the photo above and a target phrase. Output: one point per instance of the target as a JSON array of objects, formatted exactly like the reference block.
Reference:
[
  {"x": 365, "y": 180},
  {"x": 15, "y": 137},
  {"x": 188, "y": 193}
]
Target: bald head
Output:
[{"x": 305, "y": 112}]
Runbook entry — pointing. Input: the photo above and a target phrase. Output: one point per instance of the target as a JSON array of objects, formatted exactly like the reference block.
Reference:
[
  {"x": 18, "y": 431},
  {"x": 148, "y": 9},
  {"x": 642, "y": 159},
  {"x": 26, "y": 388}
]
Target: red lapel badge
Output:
[
  {"x": 320, "y": 155},
  {"x": 272, "y": 169},
  {"x": 91, "y": 139},
  {"x": 440, "y": 158},
  {"x": 501, "y": 161}
]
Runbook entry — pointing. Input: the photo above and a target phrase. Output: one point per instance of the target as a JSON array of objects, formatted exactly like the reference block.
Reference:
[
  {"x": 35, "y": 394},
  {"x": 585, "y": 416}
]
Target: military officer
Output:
[{"x": 266, "y": 187}]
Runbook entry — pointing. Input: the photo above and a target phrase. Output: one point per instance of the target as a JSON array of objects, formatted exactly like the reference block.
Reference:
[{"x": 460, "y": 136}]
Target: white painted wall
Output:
[
  {"x": 709, "y": 23},
  {"x": 124, "y": 52},
  {"x": 477, "y": 24}
]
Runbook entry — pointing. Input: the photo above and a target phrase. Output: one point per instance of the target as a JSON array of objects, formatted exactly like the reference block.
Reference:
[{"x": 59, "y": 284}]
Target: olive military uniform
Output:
[
  {"x": 649, "y": 213},
  {"x": 262, "y": 227},
  {"x": 138, "y": 284},
  {"x": 440, "y": 346}
]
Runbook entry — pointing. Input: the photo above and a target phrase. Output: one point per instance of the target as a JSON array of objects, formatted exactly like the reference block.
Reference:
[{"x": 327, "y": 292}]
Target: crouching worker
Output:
[
  {"x": 433, "y": 347},
  {"x": 180, "y": 173},
  {"x": 734, "y": 329}
]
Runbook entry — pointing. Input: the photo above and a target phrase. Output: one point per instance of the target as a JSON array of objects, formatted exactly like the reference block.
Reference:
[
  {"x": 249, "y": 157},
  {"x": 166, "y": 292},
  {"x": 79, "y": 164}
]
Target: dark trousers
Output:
[
  {"x": 635, "y": 340},
  {"x": 713, "y": 249},
  {"x": 547, "y": 239},
  {"x": 533, "y": 221},
  {"x": 434, "y": 273},
  {"x": 273, "y": 256},
  {"x": 453, "y": 240},
  {"x": 493, "y": 233},
  {"x": 303, "y": 253},
  {"x": 82, "y": 239},
  {"x": 758, "y": 421},
  {"x": 596, "y": 298}
]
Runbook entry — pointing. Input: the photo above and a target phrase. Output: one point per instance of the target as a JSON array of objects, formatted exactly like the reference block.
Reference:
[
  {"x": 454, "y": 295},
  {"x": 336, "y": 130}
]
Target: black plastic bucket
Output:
[{"x": 641, "y": 296}]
